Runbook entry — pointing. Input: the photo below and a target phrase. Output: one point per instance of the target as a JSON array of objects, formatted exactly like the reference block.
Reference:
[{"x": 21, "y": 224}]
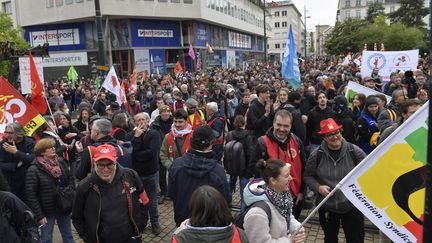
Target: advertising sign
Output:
[
  {"x": 157, "y": 61},
  {"x": 238, "y": 40},
  {"x": 24, "y": 66},
  {"x": 155, "y": 33},
  {"x": 388, "y": 62},
  {"x": 59, "y": 37},
  {"x": 66, "y": 59},
  {"x": 142, "y": 60},
  {"x": 202, "y": 34}
]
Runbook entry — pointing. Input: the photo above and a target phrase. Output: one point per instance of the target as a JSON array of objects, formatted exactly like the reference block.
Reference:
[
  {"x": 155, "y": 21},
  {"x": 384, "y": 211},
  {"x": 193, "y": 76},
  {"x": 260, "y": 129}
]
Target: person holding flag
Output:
[{"x": 326, "y": 166}]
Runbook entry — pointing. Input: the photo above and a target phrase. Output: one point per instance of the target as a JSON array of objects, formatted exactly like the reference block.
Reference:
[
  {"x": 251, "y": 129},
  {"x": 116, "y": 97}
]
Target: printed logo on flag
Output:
[
  {"x": 376, "y": 60},
  {"x": 401, "y": 60}
]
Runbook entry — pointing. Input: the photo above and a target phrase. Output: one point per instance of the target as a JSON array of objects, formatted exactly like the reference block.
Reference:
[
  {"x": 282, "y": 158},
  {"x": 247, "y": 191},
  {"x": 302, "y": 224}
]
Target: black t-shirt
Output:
[{"x": 335, "y": 153}]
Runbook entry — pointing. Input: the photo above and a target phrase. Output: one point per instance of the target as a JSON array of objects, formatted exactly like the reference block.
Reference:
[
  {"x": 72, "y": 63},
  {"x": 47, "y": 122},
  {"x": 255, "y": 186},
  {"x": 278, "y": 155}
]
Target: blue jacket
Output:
[{"x": 189, "y": 172}]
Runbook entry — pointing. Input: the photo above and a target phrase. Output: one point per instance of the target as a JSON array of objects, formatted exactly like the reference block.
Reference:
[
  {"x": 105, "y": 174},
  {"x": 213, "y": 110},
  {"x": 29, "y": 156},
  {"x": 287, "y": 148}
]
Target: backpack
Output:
[
  {"x": 124, "y": 153},
  {"x": 234, "y": 159},
  {"x": 239, "y": 219}
]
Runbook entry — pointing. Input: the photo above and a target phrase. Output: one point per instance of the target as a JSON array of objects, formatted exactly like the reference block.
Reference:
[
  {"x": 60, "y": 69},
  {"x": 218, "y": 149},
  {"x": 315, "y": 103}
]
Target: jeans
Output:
[
  {"x": 243, "y": 183},
  {"x": 64, "y": 225},
  {"x": 352, "y": 224},
  {"x": 150, "y": 185}
]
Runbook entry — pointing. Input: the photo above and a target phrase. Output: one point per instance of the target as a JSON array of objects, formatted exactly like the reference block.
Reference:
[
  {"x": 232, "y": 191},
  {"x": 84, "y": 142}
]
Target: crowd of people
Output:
[{"x": 105, "y": 167}]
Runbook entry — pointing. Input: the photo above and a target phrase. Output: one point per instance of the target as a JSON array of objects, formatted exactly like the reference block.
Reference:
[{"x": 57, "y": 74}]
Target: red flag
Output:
[
  {"x": 178, "y": 68},
  {"x": 133, "y": 81},
  {"x": 382, "y": 47},
  {"x": 124, "y": 87},
  {"x": 37, "y": 97}
]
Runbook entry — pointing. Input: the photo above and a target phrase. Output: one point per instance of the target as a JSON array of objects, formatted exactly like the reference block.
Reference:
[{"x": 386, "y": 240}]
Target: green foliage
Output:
[
  {"x": 410, "y": 13},
  {"x": 374, "y": 10},
  {"x": 9, "y": 34},
  {"x": 356, "y": 33}
]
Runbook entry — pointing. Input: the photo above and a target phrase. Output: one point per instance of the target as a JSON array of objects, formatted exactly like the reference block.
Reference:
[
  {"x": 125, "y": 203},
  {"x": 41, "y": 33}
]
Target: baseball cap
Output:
[
  {"x": 104, "y": 151},
  {"x": 204, "y": 134}
]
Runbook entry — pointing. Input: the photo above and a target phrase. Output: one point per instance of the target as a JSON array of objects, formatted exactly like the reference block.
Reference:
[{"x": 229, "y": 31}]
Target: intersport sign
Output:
[{"x": 55, "y": 37}]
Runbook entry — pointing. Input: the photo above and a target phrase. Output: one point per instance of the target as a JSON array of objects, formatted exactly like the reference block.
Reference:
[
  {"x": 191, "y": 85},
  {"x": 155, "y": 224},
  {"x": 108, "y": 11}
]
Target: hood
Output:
[
  {"x": 239, "y": 134},
  {"x": 198, "y": 164},
  {"x": 272, "y": 137},
  {"x": 254, "y": 192},
  {"x": 107, "y": 139}
]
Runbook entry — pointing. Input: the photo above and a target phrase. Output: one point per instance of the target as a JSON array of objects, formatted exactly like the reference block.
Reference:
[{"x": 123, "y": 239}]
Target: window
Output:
[
  {"x": 284, "y": 45},
  {"x": 50, "y": 3},
  {"x": 277, "y": 46},
  {"x": 369, "y": 3},
  {"x": 284, "y": 24},
  {"x": 187, "y": 1},
  {"x": 276, "y": 14},
  {"x": 59, "y": 3},
  {"x": 284, "y": 13},
  {"x": 358, "y": 3},
  {"x": 7, "y": 7},
  {"x": 277, "y": 25},
  {"x": 348, "y": 14},
  {"x": 68, "y": 2},
  {"x": 175, "y": 1},
  {"x": 79, "y": 1},
  {"x": 358, "y": 14},
  {"x": 392, "y": 9},
  {"x": 163, "y": 1},
  {"x": 348, "y": 3}
]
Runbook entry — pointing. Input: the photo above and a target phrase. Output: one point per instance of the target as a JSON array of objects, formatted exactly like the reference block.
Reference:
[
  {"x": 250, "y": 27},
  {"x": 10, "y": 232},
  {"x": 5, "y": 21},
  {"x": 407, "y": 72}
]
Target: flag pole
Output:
[
  {"x": 97, "y": 95},
  {"x": 427, "y": 229},
  {"x": 49, "y": 108}
]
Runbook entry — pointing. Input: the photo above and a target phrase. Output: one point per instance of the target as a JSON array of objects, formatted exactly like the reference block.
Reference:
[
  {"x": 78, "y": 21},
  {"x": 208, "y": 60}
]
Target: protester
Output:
[
  {"x": 367, "y": 125},
  {"x": 320, "y": 112},
  {"x": 108, "y": 204},
  {"x": 210, "y": 220},
  {"x": 195, "y": 168},
  {"x": 276, "y": 195},
  {"x": 82, "y": 122},
  {"x": 260, "y": 113},
  {"x": 326, "y": 166},
  {"x": 216, "y": 121},
  {"x": 196, "y": 117},
  {"x": 45, "y": 177},
  {"x": 120, "y": 126}
]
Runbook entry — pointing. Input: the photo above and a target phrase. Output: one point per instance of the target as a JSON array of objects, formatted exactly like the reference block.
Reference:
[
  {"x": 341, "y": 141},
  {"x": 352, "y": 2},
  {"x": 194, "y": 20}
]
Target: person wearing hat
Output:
[
  {"x": 196, "y": 116},
  {"x": 131, "y": 105},
  {"x": 367, "y": 124},
  {"x": 343, "y": 115},
  {"x": 370, "y": 83},
  {"x": 109, "y": 203},
  {"x": 220, "y": 99},
  {"x": 111, "y": 110},
  {"x": 326, "y": 166},
  {"x": 194, "y": 169}
]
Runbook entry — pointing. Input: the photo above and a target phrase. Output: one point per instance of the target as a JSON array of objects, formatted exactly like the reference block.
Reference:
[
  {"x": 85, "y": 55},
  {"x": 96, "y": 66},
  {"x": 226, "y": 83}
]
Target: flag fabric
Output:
[
  {"x": 124, "y": 87},
  {"x": 112, "y": 84},
  {"x": 17, "y": 109},
  {"x": 290, "y": 67},
  {"x": 375, "y": 47},
  {"x": 97, "y": 82},
  {"x": 178, "y": 68},
  {"x": 157, "y": 69},
  {"x": 388, "y": 186},
  {"x": 382, "y": 47},
  {"x": 358, "y": 59},
  {"x": 72, "y": 76},
  {"x": 347, "y": 59},
  {"x": 133, "y": 80},
  {"x": 209, "y": 48},
  {"x": 37, "y": 96},
  {"x": 198, "y": 65},
  {"x": 365, "y": 47},
  {"x": 191, "y": 52},
  {"x": 354, "y": 88}
]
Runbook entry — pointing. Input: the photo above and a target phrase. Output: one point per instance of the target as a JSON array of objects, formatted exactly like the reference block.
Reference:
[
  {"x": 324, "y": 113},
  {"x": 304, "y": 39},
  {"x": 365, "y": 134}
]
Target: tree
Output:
[
  {"x": 375, "y": 9},
  {"x": 410, "y": 13},
  {"x": 351, "y": 36},
  {"x": 343, "y": 37},
  {"x": 9, "y": 34}
]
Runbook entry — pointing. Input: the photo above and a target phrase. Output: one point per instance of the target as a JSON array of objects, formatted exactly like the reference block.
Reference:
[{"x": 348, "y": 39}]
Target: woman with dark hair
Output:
[
  {"x": 274, "y": 190},
  {"x": 44, "y": 176},
  {"x": 358, "y": 103},
  {"x": 47, "y": 130},
  {"x": 120, "y": 126},
  {"x": 210, "y": 221},
  {"x": 69, "y": 135},
  {"x": 83, "y": 120}
]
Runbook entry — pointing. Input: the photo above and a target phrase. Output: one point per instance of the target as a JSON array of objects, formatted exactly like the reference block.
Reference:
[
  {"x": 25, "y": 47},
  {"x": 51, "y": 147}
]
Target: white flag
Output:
[{"x": 112, "y": 84}]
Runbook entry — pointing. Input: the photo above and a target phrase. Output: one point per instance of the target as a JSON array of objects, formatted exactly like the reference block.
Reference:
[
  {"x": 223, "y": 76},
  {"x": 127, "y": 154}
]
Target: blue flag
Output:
[{"x": 290, "y": 67}]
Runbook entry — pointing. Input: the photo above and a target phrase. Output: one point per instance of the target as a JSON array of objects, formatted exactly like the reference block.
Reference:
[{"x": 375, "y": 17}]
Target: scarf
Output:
[
  {"x": 282, "y": 201},
  {"x": 52, "y": 166},
  {"x": 183, "y": 132}
]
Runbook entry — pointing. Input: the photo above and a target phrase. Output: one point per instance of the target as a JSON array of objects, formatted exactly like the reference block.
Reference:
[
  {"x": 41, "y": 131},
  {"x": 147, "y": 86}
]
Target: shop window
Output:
[
  {"x": 49, "y": 3},
  {"x": 284, "y": 13}
]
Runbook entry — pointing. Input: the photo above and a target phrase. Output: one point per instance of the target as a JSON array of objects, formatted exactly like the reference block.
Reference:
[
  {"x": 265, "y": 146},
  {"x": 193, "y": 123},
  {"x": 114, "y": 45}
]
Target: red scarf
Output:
[{"x": 52, "y": 166}]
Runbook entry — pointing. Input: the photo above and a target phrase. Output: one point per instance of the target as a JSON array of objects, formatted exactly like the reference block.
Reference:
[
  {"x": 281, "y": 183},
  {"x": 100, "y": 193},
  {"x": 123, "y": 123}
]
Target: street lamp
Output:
[{"x": 305, "y": 31}]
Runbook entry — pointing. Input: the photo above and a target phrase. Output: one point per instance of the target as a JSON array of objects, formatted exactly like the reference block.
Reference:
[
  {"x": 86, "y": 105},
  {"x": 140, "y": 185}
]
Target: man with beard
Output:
[
  {"x": 280, "y": 143},
  {"x": 196, "y": 117},
  {"x": 132, "y": 106},
  {"x": 316, "y": 115},
  {"x": 177, "y": 142},
  {"x": 101, "y": 104}
]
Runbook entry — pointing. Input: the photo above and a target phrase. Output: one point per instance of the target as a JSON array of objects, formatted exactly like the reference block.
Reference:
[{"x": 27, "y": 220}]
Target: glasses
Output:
[
  {"x": 108, "y": 166},
  {"x": 334, "y": 134}
]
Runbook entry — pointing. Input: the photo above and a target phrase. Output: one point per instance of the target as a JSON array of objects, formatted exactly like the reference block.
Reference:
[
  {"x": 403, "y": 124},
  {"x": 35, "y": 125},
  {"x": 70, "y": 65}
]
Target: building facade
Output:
[
  {"x": 358, "y": 9},
  {"x": 321, "y": 33},
  {"x": 153, "y": 34},
  {"x": 9, "y": 7},
  {"x": 283, "y": 14}
]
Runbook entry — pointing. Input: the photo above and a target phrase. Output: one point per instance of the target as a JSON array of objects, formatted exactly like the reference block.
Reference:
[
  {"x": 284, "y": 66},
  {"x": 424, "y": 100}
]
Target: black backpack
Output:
[
  {"x": 239, "y": 219},
  {"x": 234, "y": 159}
]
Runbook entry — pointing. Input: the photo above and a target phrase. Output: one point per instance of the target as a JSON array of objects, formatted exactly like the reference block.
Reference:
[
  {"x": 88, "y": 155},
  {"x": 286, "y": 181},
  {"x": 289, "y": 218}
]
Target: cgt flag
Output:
[
  {"x": 15, "y": 108},
  {"x": 112, "y": 84},
  {"x": 290, "y": 67},
  {"x": 37, "y": 96},
  {"x": 388, "y": 186}
]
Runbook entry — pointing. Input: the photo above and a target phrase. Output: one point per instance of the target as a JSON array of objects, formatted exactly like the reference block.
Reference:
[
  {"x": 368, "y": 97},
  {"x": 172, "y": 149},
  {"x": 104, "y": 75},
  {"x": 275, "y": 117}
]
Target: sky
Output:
[{"x": 321, "y": 11}]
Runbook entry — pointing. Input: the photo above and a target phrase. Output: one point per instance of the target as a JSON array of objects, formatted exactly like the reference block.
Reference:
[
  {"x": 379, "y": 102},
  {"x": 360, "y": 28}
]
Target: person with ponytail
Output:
[{"x": 274, "y": 190}]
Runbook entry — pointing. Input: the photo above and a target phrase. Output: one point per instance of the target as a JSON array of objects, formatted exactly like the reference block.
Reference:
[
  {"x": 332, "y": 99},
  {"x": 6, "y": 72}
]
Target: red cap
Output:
[
  {"x": 104, "y": 151},
  {"x": 328, "y": 125}
]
